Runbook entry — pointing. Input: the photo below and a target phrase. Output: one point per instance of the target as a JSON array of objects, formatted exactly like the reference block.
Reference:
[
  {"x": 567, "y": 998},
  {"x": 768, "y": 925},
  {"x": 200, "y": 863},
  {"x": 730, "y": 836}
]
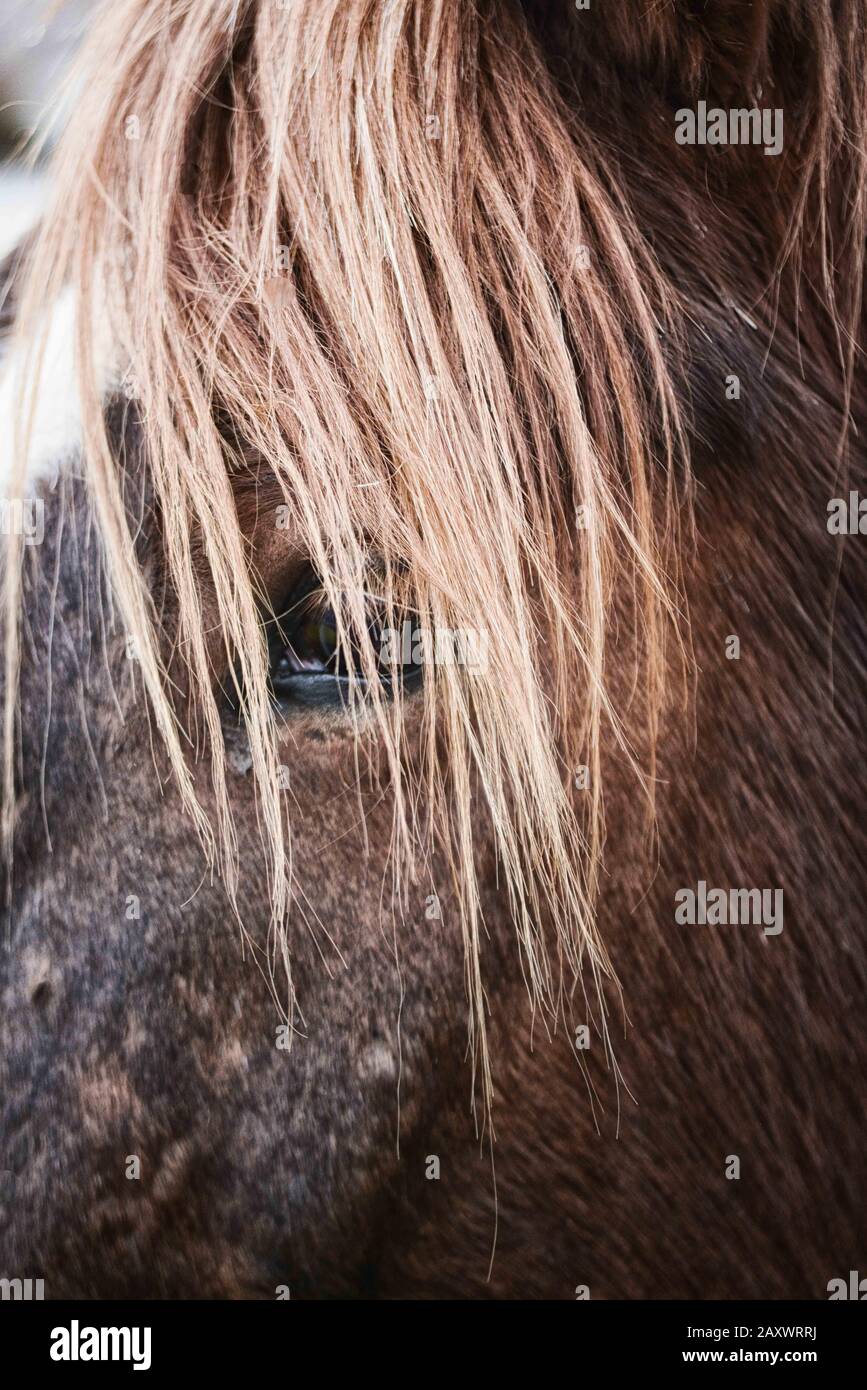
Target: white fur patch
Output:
[
  {"x": 22, "y": 202},
  {"x": 56, "y": 433}
]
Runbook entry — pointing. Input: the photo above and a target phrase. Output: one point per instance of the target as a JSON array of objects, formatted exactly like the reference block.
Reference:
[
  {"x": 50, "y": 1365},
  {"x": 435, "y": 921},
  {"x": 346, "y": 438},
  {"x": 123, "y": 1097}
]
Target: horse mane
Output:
[{"x": 380, "y": 253}]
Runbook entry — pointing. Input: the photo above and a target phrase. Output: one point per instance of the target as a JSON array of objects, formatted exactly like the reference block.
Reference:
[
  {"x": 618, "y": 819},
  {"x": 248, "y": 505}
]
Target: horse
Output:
[{"x": 433, "y": 770}]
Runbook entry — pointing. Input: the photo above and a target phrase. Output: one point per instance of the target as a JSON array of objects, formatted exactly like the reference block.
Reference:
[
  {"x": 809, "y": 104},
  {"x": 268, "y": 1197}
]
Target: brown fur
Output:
[{"x": 262, "y": 1168}]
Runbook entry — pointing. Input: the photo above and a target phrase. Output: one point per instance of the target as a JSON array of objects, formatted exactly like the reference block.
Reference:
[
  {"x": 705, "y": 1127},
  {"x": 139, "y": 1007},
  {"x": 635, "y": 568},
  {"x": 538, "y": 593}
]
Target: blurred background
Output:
[{"x": 38, "y": 39}]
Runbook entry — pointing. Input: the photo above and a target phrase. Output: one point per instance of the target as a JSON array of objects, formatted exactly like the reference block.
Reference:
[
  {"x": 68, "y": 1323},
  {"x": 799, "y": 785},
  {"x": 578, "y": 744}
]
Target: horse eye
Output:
[
  {"x": 304, "y": 641},
  {"x": 307, "y": 662},
  {"x": 311, "y": 646}
]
